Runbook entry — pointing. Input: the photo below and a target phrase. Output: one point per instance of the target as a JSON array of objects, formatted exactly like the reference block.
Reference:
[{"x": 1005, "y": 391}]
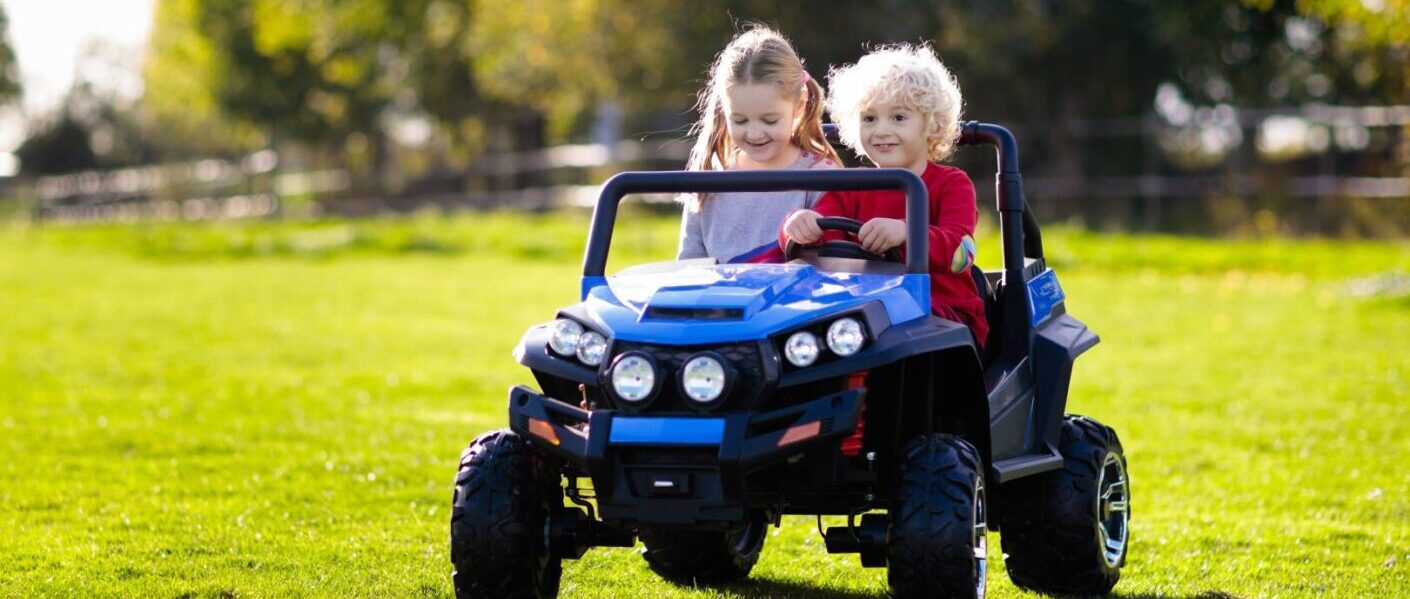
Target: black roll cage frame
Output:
[{"x": 1018, "y": 229}]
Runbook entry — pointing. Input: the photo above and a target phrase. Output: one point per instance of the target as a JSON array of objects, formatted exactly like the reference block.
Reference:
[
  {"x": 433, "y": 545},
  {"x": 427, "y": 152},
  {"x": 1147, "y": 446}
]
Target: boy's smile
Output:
[{"x": 894, "y": 136}]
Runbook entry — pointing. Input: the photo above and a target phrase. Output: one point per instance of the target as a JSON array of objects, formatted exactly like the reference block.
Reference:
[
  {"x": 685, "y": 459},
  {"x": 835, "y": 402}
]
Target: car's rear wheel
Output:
[
  {"x": 939, "y": 533},
  {"x": 1067, "y": 531},
  {"x": 503, "y": 494},
  {"x": 702, "y": 557}
]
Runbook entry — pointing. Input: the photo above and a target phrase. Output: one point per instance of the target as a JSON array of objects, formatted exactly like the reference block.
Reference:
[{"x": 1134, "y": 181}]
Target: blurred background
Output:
[{"x": 1250, "y": 118}]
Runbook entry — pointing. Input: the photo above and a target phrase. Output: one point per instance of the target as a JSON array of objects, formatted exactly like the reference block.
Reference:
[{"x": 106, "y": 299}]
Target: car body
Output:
[{"x": 672, "y": 388}]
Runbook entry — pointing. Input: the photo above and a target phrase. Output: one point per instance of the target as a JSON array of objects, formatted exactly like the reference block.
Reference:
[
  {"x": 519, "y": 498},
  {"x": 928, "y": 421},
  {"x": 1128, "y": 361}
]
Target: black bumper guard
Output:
[{"x": 662, "y": 492}]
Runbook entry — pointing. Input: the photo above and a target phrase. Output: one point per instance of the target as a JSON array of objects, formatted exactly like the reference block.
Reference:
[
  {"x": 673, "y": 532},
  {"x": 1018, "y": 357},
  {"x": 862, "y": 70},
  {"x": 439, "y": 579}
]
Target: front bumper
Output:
[{"x": 678, "y": 469}]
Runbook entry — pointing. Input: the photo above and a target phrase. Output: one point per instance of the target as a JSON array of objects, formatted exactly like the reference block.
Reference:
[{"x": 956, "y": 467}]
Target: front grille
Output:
[{"x": 746, "y": 358}]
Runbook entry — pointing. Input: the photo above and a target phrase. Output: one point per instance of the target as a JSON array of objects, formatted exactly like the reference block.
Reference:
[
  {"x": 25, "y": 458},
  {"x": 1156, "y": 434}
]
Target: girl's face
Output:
[
  {"x": 760, "y": 122},
  {"x": 893, "y": 136}
]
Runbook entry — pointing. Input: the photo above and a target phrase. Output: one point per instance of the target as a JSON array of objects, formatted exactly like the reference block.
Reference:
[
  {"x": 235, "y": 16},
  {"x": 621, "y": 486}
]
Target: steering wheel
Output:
[{"x": 839, "y": 248}]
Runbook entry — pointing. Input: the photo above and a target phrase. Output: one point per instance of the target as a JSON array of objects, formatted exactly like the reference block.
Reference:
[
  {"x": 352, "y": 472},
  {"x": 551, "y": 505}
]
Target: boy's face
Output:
[
  {"x": 893, "y": 136},
  {"x": 760, "y": 123}
]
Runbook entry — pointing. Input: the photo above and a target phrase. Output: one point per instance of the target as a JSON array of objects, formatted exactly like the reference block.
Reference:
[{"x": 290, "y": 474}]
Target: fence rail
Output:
[{"x": 259, "y": 186}]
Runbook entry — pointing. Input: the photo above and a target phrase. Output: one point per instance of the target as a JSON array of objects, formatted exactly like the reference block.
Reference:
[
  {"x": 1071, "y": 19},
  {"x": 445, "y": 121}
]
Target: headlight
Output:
[
  {"x": 634, "y": 377},
  {"x": 845, "y": 337},
  {"x": 564, "y": 336},
  {"x": 591, "y": 347},
  {"x": 703, "y": 379},
  {"x": 801, "y": 349}
]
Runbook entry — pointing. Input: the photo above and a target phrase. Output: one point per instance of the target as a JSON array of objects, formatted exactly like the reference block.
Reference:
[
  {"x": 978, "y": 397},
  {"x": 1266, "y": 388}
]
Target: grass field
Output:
[{"x": 276, "y": 409}]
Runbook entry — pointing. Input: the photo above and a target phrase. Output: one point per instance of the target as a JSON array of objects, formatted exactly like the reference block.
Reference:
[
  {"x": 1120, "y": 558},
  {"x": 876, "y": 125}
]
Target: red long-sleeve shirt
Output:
[{"x": 953, "y": 216}]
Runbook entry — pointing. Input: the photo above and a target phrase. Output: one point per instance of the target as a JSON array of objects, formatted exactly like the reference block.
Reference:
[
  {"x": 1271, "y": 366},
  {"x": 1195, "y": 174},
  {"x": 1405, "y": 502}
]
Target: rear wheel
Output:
[
  {"x": 1067, "y": 531},
  {"x": 503, "y": 494},
  {"x": 939, "y": 541},
  {"x": 704, "y": 558}
]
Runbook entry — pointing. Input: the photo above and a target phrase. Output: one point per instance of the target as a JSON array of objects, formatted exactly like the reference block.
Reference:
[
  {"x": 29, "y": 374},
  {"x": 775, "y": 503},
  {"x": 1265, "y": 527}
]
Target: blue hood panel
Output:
[{"x": 667, "y": 303}]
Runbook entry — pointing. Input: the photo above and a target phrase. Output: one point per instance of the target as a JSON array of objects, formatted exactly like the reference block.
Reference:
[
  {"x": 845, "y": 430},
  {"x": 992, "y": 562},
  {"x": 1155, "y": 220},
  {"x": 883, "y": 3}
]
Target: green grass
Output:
[{"x": 276, "y": 409}]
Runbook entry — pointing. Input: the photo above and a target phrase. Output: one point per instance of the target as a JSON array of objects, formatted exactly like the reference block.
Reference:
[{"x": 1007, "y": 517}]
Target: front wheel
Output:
[
  {"x": 1067, "y": 531},
  {"x": 938, "y": 544},
  {"x": 503, "y": 494}
]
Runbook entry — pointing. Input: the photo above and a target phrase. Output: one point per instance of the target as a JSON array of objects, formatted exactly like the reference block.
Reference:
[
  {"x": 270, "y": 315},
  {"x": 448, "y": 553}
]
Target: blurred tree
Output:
[
  {"x": 322, "y": 72},
  {"x": 180, "y": 77},
  {"x": 10, "y": 88},
  {"x": 59, "y": 146},
  {"x": 91, "y": 128}
]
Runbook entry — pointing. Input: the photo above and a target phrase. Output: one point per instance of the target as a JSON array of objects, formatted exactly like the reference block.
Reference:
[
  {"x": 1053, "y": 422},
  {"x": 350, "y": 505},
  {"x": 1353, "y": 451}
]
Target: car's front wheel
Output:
[
  {"x": 1067, "y": 531},
  {"x": 938, "y": 545},
  {"x": 503, "y": 493}
]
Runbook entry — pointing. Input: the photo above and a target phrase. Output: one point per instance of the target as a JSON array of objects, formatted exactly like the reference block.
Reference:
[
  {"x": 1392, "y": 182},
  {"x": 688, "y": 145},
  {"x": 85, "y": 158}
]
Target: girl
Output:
[{"x": 760, "y": 109}]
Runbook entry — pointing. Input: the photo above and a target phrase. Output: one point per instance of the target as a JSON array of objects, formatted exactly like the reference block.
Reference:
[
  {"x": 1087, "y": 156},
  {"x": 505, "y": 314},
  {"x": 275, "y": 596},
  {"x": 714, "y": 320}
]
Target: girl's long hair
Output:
[{"x": 757, "y": 55}]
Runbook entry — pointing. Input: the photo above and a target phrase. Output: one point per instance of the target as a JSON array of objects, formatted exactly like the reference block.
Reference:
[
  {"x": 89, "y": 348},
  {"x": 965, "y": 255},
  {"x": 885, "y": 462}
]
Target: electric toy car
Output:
[{"x": 691, "y": 405}]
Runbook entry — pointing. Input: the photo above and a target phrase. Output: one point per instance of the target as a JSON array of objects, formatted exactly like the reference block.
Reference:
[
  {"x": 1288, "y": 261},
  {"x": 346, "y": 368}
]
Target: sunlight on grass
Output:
[{"x": 276, "y": 408}]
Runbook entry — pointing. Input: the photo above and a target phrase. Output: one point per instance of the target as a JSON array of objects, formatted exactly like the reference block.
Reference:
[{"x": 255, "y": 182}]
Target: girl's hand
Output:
[
  {"x": 881, "y": 234},
  {"x": 802, "y": 227}
]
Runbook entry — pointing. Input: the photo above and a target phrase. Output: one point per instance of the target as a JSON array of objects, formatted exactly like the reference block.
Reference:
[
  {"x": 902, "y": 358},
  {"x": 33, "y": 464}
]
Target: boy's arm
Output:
[
  {"x": 953, "y": 216},
  {"x": 692, "y": 244}
]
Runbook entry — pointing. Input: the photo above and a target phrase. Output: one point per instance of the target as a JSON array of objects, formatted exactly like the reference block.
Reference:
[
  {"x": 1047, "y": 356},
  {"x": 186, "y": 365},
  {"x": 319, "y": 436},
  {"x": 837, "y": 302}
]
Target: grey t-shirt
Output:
[{"x": 738, "y": 226}]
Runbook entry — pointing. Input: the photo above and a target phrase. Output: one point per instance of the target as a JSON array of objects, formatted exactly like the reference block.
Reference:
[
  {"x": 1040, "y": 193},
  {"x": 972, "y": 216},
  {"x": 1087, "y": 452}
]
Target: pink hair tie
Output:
[{"x": 806, "y": 77}]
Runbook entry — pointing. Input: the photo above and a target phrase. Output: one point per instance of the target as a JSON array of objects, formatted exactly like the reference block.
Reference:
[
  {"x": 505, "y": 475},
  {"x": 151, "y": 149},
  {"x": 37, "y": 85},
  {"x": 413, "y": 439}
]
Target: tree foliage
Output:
[
  {"x": 535, "y": 71},
  {"x": 10, "y": 88}
]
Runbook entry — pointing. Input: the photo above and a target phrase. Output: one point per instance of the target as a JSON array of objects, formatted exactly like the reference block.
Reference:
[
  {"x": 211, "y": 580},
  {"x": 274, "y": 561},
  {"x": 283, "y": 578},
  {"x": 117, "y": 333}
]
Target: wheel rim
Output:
[
  {"x": 980, "y": 541},
  {"x": 1114, "y": 505}
]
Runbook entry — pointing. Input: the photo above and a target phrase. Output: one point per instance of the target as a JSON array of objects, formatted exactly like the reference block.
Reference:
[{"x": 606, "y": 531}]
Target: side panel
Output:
[{"x": 1056, "y": 345}]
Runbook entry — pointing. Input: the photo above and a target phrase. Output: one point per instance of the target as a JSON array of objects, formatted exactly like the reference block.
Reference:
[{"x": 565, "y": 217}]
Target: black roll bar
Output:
[
  {"x": 604, "y": 215},
  {"x": 1018, "y": 230}
]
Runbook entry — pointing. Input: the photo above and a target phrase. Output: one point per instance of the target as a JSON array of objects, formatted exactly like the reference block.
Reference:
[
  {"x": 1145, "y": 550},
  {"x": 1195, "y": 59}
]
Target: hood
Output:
[{"x": 696, "y": 302}]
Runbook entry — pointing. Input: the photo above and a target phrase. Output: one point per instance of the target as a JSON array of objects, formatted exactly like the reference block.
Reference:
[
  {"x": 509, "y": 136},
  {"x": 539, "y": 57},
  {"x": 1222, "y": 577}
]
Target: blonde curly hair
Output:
[{"x": 906, "y": 74}]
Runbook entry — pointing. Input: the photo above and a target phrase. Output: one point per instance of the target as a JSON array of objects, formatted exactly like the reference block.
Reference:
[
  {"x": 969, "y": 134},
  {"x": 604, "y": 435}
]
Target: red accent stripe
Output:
[{"x": 852, "y": 445}]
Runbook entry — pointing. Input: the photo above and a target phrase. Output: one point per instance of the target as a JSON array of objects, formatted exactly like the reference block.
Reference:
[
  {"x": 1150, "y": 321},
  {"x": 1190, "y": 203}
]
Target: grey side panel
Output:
[
  {"x": 1009, "y": 432},
  {"x": 1056, "y": 344}
]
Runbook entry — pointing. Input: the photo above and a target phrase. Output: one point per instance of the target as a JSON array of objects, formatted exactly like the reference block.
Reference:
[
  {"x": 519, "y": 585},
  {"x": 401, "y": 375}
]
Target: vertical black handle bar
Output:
[{"x": 604, "y": 216}]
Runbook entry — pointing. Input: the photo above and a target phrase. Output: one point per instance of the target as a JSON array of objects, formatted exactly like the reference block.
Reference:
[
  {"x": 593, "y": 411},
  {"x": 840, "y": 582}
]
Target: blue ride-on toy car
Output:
[{"x": 692, "y": 404}]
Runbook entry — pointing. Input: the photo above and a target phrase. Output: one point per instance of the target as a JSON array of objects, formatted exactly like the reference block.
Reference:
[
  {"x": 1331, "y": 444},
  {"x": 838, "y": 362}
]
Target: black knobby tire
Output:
[
  {"x": 1054, "y": 530},
  {"x": 938, "y": 520},
  {"x": 503, "y": 494},
  {"x": 704, "y": 558}
]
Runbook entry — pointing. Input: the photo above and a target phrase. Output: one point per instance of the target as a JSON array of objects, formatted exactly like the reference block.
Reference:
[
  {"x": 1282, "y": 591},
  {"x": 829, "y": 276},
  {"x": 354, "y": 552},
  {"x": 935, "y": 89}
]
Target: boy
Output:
[{"x": 900, "y": 107}]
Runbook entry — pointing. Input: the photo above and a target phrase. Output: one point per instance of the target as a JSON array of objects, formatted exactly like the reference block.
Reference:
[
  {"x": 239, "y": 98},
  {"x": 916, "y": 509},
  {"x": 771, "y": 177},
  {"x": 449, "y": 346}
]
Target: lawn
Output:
[{"x": 276, "y": 409}]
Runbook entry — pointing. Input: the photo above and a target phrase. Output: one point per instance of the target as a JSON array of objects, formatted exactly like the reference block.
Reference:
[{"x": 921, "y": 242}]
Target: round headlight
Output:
[
  {"x": 801, "y": 349},
  {"x": 563, "y": 337},
  {"x": 703, "y": 379},
  {"x": 633, "y": 377},
  {"x": 845, "y": 337},
  {"x": 591, "y": 347}
]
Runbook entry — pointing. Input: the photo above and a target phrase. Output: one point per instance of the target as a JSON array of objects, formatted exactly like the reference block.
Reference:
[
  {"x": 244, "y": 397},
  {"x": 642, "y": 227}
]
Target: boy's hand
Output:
[
  {"x": 881, "y": 234},
  {"x": 802, "y": 227}
]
